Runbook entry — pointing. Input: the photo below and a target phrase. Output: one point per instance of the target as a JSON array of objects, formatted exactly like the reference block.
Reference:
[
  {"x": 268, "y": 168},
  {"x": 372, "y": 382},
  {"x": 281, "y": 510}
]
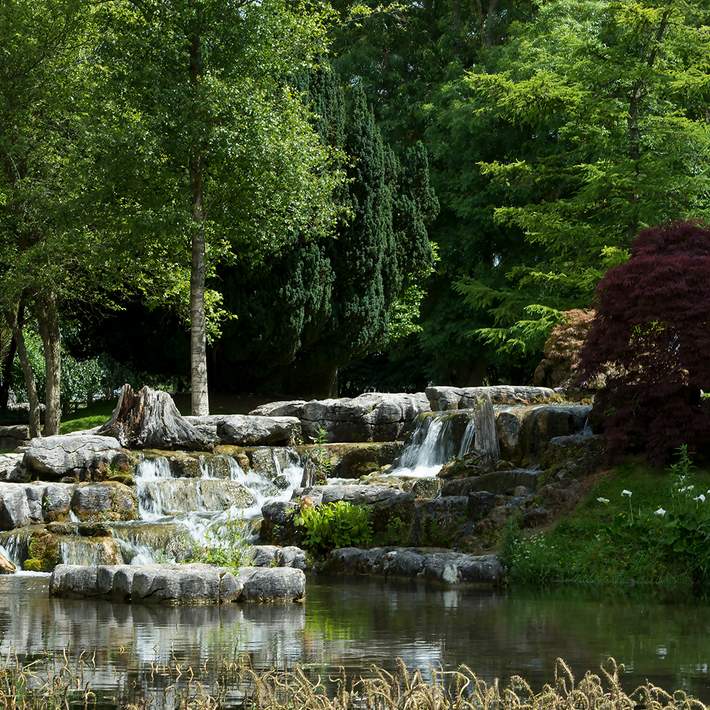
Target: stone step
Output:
[
  {"x": 500, "y": 482},
  {"x": 446, "y": 567},
  {"x": 178, "y": 584}
]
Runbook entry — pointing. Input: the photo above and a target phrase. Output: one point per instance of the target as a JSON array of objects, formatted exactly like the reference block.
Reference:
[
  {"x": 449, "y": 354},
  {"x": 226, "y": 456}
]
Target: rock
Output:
[
  {"x": 12, "y": 470},
  {"x": 269, "y": 461},
  {"x": 53, "y": 457},
  {"x": 100, "y": 502},
  {"x": 177, "y": 584},
  {"x": 15, "y": 506},
  {"x": 438, "y": 522},
  {"x": 575, "y": 455},
  {"x": 355, "y": 493},
  {"x": 149, "y": 419},
  {"x": 247, "y": 430},
  {"x": 290, "y": 408},
  {"x": 370, "y": 417},
  {"x": 56, "y": 502},
  {"x": 280, "y": 584},
  {"x": 480, "y": 504},
  {"x": 445, "y": 398},
  {"x": 172, "y": 496},
  {"x": 351, "y": 460},
  {"x": 449, "y": 568},
  {"x": 6, "y": 567},
  {"x": 13, "y": 436},
  {"x": 524, "y": 432},
  {"x": 496, "y": 482}
]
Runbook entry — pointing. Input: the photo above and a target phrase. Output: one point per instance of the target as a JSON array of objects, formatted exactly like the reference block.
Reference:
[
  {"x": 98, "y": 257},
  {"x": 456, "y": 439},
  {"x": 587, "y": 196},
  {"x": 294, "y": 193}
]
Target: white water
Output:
[
  {"x": 468, "y": 438},
  {"x": 164, "y": 499},
  {"x": 430, "y": 448}
]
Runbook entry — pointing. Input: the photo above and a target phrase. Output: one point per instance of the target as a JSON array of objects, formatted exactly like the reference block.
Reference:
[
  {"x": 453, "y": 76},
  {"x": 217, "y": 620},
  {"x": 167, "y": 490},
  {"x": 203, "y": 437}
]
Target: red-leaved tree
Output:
[{"x": 650, "y": 340}]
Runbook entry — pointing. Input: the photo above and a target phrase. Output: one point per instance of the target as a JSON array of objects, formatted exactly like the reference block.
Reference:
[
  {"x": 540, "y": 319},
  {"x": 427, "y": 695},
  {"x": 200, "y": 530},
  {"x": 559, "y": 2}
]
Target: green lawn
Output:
[
  {"x": 619, "y": 542},
  {"x": 87, "y": 418}
]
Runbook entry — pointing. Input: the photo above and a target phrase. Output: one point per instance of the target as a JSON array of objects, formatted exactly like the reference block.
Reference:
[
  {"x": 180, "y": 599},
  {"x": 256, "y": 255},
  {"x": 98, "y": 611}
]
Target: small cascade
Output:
[
  {"x": 469, "y": 436},
  {"x": 185, "y": 508},
  {"x": 82, "y": 551},
  {"x": 14, "y": 545},
  {"x": 431, "y": 446}
]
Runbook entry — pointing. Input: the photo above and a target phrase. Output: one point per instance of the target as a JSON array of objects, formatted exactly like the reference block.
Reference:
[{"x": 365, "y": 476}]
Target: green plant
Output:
[
  {"x": 227, "y": 544},
  {"x": 334, "y": 525}
]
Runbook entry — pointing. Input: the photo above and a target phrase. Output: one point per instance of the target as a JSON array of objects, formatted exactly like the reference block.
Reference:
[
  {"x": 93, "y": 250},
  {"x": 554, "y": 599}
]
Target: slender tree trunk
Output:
[
  {"x": 198, "y": 331},
  {"x": 48, "y": 318},
  {"x": 6, "y": 377},
  {"x": 30, "y": 382}
]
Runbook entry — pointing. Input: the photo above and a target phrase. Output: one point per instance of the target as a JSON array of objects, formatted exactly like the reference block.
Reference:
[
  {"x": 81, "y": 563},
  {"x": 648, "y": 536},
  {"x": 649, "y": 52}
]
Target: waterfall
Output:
[
  {"x": 197, "y": 504},
  {"x": 431, "y": 446},
  {"x": 468, "y": 438}
]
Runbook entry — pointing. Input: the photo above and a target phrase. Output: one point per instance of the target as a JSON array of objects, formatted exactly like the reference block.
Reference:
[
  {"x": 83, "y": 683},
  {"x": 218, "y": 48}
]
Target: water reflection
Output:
[{"x": 360, "y": 622}]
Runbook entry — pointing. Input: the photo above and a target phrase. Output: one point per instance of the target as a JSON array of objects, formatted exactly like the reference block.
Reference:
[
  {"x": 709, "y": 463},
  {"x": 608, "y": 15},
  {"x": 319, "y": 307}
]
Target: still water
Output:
[{"x": 355, "y": 623}]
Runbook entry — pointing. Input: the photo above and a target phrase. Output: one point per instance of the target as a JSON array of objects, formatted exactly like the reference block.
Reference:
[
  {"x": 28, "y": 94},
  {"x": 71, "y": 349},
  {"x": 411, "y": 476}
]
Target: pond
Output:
[{"x": 357, "y": 622}]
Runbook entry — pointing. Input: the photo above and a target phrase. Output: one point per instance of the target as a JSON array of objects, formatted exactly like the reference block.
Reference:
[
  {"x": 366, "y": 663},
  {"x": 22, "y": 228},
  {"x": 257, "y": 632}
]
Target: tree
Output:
[
  {"x": 604, "y": 110},
  {"x": 332, "y": 301},
  {"x": 222, "y": 156},
  {"x": 649, "y": 343}
]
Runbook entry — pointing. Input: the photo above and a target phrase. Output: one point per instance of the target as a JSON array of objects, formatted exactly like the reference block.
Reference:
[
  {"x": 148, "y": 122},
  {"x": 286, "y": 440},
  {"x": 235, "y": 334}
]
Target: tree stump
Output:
[
  {"x": 149, "y": 419},
  {"x": 486, "y": 436}
]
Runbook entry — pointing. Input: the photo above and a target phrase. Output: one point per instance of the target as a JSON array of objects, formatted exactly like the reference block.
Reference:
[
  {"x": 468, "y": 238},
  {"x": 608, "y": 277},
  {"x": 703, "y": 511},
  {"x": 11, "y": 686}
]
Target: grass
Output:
[
  {"x": 57, "y": 683},
  {"x": 597, "y": 545},
  {"x": 88, "y": 417}
]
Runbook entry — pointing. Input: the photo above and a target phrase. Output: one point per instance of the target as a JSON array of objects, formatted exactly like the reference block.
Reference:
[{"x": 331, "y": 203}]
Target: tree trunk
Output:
[
  {"x": 30, "y": 382},
  {"x": 48, "y": 318},
  {"x": 149, "y": 419},
  {"x": 6, "y": 377},
  {"x": 198, "y": 331}
]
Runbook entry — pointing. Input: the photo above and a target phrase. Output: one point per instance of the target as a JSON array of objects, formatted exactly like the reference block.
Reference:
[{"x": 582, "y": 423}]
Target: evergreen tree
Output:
[{"x": 339, "y": 299}]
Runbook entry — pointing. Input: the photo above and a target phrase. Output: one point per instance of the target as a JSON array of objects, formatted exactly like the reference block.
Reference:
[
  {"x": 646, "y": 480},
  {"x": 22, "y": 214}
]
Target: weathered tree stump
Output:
[
  {"x": 149, "y": 419},
  {"x": 486, "y": 436}
]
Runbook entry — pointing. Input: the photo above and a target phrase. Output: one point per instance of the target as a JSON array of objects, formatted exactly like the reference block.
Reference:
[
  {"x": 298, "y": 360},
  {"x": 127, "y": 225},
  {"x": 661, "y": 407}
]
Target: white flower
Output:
[
  {"x": 660, "y": 512},
  {"x": 626, "y": 493},
  {"x": 602, "y": 500},
  {"x": 700, "y": 498}
]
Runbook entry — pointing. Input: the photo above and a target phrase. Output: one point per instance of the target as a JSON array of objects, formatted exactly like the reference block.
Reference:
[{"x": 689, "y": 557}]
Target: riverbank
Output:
[{"x": 636, "y": 527}]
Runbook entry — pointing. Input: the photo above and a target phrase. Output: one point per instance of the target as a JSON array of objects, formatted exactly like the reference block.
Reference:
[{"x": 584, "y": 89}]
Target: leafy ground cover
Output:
[{"x": 637, "y": 527}]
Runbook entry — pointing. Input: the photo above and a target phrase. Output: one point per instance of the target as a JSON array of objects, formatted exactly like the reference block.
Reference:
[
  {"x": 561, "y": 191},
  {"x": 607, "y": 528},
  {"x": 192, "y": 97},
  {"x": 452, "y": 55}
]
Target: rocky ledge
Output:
[
  {"x": 178, "y": 584},
  {"x": 436, "y": 565}
]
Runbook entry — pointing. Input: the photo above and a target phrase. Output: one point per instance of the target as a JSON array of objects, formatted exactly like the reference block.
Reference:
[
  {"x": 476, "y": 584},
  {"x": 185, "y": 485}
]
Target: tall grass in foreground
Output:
[{"x": 235, "y": 684}]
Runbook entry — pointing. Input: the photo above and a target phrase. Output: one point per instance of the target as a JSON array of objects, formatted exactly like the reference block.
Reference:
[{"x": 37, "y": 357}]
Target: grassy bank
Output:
[
  {"x": 87, "y": 417},
  {"x": 637, "y": 527},
  {"x": 62, "y": 685}
]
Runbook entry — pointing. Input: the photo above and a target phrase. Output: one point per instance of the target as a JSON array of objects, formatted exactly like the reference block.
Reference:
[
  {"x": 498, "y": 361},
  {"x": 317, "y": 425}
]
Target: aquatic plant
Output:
[
  {"x": 334, "y": 525},
  {"x": 58, "y": 683}
]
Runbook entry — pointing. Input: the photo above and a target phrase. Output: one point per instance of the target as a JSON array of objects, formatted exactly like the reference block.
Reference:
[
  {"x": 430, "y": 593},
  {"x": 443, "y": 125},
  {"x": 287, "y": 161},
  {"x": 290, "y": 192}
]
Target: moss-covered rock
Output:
[{"x": 100, "y": 502}]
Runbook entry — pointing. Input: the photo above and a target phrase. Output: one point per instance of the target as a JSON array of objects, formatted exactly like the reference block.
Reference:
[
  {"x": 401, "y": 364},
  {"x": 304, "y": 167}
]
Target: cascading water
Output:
[
  {"x": 469, "y": 437},
  {"x": 430, "y": 448},
  {"x": 194, "y": 505}
]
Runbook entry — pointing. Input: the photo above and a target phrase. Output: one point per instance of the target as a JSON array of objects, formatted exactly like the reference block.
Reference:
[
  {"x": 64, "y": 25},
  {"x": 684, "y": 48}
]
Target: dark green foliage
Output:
[{"x": 318, "y": 304}]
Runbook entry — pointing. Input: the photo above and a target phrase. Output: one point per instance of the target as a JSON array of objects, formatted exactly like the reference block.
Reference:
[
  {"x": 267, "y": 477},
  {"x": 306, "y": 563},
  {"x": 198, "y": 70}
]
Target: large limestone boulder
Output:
[
  {"x": 446, "y": 398},
  {"x": 20, "y": 505},
  {"x": 351, "y": 460},
  {"x": 53, "y": 457},
  {"x": 290, "y": 408},
  {"x": 524, "y": 432},
  {"x": 370, "y": 417},
  {"x": 248, "y": 430}
]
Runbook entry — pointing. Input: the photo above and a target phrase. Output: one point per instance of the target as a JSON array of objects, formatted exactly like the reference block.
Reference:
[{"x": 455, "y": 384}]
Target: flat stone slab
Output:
[
  {"x": 444, "y": 398},
  {"x": 250, "y": 430},
  {"x": 178, "y": 584},
  {"x": 446, "y": 567}
]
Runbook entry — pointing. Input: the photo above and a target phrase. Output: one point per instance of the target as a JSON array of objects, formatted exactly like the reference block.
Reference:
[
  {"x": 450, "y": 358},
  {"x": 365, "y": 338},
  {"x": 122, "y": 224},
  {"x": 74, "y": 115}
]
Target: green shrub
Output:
[{"x": 335, "y": 525}]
